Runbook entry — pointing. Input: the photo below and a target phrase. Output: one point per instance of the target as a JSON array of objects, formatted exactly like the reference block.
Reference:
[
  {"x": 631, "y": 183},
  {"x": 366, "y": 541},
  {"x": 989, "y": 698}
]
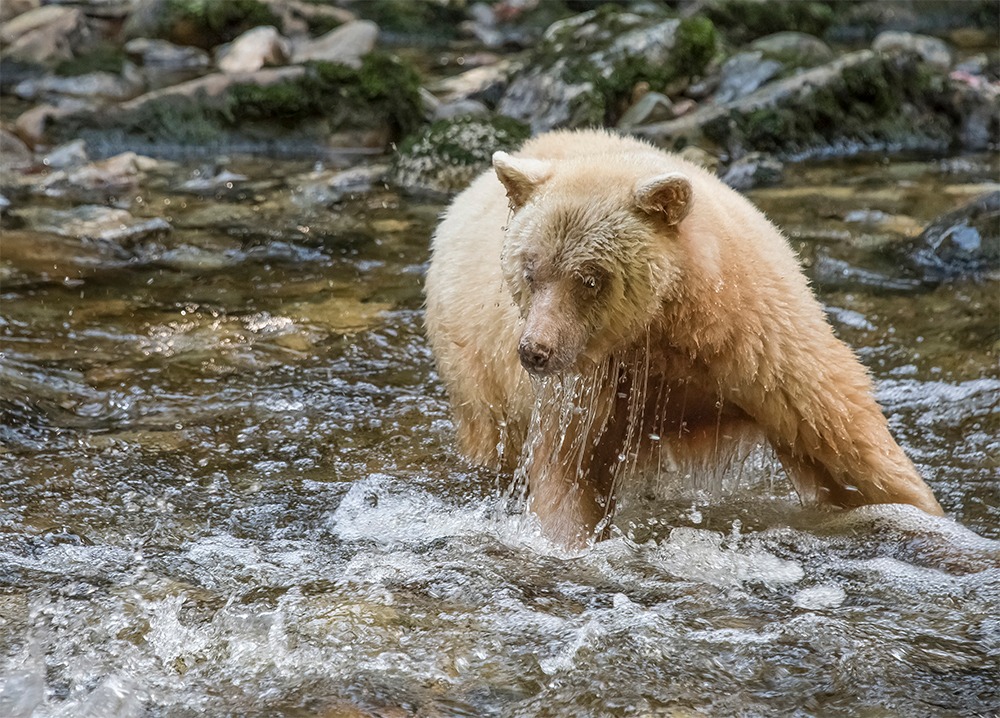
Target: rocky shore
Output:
[{"x": 432, "y": 88}]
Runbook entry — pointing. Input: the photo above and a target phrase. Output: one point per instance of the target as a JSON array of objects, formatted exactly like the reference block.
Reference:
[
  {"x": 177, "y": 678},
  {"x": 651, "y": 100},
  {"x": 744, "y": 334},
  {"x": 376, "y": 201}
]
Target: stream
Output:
[{"x": 230, "y": 485}]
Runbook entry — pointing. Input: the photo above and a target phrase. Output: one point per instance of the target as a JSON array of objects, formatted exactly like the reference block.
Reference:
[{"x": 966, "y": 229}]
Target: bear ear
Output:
[
  {"x": 520, "y": 176},
  {"x": 668, "y": 195}
]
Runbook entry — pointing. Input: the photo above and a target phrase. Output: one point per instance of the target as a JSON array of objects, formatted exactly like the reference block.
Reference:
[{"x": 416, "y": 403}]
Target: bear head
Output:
[{"x": 590, "y": 252}]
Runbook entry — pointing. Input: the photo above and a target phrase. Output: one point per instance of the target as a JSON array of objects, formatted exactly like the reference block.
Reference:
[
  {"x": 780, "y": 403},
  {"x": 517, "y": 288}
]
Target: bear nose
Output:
[{"x": 534, "y": 356}]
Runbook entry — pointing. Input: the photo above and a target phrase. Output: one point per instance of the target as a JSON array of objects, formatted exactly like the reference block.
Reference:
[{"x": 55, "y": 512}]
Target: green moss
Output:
[
  {"x": 326, "y": 98},
  {"x": 694, "y": 47},
  {"x": 873, "y": 103},
  {"x": 434, "y": 18},
  {"x": 745, "y": 20},
  {"x": 383, "y": 90},
  {"x": 695, "y": 44},
  {"x": 448, "y": 154},
  {"x": 208, "y": 23},
  {"x": 102, "y": 58}
]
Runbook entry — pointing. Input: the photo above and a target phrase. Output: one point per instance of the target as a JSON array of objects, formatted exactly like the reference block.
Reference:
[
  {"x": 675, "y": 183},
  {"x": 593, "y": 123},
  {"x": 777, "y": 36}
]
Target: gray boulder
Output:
[{"x": 960, "y": 244}]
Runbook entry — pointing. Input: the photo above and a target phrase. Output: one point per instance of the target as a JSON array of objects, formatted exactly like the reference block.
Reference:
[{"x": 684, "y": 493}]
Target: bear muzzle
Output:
[{"x": 535, "y": 356}]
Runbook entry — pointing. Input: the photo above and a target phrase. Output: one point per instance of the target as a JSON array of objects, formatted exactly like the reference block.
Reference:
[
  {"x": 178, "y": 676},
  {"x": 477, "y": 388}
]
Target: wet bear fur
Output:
[{"x": 596, "y": 305}]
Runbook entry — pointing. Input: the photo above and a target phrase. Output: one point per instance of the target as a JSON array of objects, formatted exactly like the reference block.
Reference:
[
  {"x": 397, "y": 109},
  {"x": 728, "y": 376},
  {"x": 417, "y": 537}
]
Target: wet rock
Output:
[
  {"x": 446, "y": 156},
  {"x": 163, "y": 56},
  {"x": 322, "y": 189},
  {"x": 754, "y": 170},
  {"x": 70, "y": 154},
  {"x": 743, "y": 73},
  {"x": 109, "y": 177},
  {"x": 877, "y": 221},
  {"x": 253, "y": 50},
  {"x": 93, "y": 222},
  {"x": 651, "y": 107},
  {"x": 103, "y": 85},
  {"x": 861, "y": 100},
  {"x": 793, "y": 49},
  {"x": 485, "y": 84},
  {"x": 345, "y": 45},
  {"x": 45, "y": 34},
  {"x": 460, "y": 108},
  {"x": 13, "y": 152},
  {"x": 960, "y": 244},
  {"x": 31, "y": 125},
  {"x": 587, "y": 66},
  {"x": 830, "y": 272},
  {"x": 931, "y": 50},
  {"x": 977, "y": 101},
  {"x": 208, "y": 182}
]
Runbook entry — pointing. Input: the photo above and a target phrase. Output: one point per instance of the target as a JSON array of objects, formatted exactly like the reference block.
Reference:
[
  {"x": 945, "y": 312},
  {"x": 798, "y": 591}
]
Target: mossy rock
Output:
[
  {"x": 449, "y": 154},
  {"x": 383, "y": 90},
  {"x": 878, "y": 102},
  {"x": 105, "y": 57},
  {"x": 203, "y": 23},
  {"x": 744, "y": 20},
  {"x": 434, "y": 20},
  {"x": 308, "y": 104},
  {"x": 860, "y": 101},
  {"x": 586, "y": 67}
]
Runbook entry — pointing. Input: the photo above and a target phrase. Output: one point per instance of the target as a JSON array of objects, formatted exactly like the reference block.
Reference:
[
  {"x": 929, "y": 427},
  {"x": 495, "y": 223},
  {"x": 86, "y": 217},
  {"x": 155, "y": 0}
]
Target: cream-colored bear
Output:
[{"x": 604, "y": 305}]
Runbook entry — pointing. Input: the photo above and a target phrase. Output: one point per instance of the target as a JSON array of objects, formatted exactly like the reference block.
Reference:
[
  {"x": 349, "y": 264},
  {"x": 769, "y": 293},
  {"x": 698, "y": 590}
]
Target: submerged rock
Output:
[
  {"x": 449, "y": 154},
  {"x": 960, "y": 244},
  {"x": 754, "y": 170},
  {"x": 93, "y": 222}
]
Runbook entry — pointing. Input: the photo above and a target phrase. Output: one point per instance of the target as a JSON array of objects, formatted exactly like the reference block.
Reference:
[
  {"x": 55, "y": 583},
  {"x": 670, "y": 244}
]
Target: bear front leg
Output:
[
  {"x": 833, "y": 440},
  {"x": 570, "y": 466}
]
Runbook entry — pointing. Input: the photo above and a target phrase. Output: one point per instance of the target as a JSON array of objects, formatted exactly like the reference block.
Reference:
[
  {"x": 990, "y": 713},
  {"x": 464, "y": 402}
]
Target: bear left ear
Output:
[
  {"x": 668, "y": 195},
  {"x": 520, "y": 176}
]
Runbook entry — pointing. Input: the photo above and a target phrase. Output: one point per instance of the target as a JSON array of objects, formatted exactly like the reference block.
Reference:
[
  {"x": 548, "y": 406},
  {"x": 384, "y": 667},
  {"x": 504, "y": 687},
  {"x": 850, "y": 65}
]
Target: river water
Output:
[{"x": 230, "y": 485}]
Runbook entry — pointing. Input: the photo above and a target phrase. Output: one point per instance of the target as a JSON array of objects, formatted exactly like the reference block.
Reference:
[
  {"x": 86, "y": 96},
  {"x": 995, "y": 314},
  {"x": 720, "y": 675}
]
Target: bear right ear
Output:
[
  {"x": 520, "y": 176},
  {"x": 668, "y": 195}
]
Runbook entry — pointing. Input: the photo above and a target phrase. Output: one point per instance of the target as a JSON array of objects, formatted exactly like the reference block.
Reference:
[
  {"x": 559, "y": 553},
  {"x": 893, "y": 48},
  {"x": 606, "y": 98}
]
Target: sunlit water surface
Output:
[{"x": 230, "y": 488}]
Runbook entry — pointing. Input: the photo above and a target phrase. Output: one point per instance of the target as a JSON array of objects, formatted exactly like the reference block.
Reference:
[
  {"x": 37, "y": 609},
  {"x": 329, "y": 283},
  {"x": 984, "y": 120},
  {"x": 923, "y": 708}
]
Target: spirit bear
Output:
[{"x": 596, "y": 305}]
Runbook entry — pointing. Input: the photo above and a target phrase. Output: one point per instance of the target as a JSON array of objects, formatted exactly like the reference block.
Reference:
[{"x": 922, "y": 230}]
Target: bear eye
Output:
[{"x": 591, "y": 281}]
